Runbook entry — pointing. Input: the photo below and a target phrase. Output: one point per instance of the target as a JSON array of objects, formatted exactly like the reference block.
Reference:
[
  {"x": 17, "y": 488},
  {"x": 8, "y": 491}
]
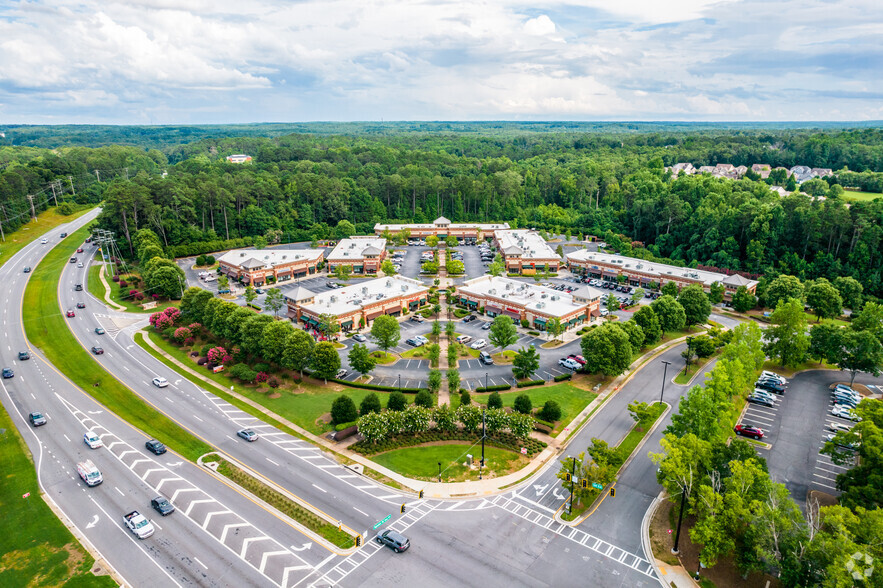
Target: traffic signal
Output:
[
  {"x": 584, "y": 484},
  {"x": 358, "y": 540},
  {"x": 567, "y": 478},
  {"x": 613, "y": 492},
  {"x": 403, "y": 507},
  {"x": 421, "y": 494}
]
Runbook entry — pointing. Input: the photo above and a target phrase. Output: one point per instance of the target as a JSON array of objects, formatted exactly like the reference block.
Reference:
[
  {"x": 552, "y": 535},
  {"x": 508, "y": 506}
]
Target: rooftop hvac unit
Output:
[
  {"x": 541, "y": 305},
  {"x": 242, "y": 255},
  {"x": 544, "y": 295},
  {"x": 639, "y": 266},
  {"x": 334, "y": 299},
  {"x": 357, "y": 302},
  {"x": 404, "y": 287},
  {"x": 492, "y": 291},
  {"x": 388, "y": 283},
  {"x": 364, "y": 289},
  {"x": 555, "y": 297},
  {"x": 379, "y": 296},
  {"x": 508, "y": 285}
]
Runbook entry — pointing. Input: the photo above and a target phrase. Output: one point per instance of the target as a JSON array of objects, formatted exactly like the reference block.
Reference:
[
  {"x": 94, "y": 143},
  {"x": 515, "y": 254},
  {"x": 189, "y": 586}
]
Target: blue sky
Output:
[{"x": 225, "y": 61}]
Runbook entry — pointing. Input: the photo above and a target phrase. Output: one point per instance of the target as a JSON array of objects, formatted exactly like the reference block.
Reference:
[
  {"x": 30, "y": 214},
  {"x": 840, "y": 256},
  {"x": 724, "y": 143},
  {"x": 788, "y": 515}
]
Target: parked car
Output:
[
  {"x": 162, "y": 505},
  {"x": 92, "y": 439},
  {"x": 845, "y": 388},
  {"x": 37, "y": 419},
  {"x": 341, "y": 374},
  {"x": 396, "y": 541},
  {"x": 24, "y": 356},
  {"x": 485, "y": 358},
  {"x": 842, "y": 444},
  {"x": 155, "y": 447},
  {"x": 464, "y": 339},
  {"x": 577, "y": 358},
  {"x": 414, "y": 342},
  {"x": 844, "y": 412},
  {"x": 259, "y": 290},
  {"x": 360, "y": 338},
  {"x": 416, "y": 319},
  {"x": 486, "y": 326},
  {"x": 762, "y": 400},
  {"x": 770, "y": 386},
  {"x": 248, "y": 435},
  {"x": 569, "y": 363},
  {"x": 846, "y": 401},
  {"x": 764, "y": 393},
  {"x": 767, "y": 374},
  {"x": 470, "y": 318},
  {"x": 748, "y": 431},
  {"x": 479, "y": 344}
]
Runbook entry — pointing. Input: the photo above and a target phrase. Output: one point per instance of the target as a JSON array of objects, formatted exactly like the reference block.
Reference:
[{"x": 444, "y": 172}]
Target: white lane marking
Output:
[
  {"x": 200, "y": 563},
  {"x": 118, "y": 490},
  {"x": 361, "y": 511},
  {"x": 318, "y": 488},
  {"x": 66, "y": 437},
  {"x": 199, "y": 419},
  {"x": 272, "y": 462}
]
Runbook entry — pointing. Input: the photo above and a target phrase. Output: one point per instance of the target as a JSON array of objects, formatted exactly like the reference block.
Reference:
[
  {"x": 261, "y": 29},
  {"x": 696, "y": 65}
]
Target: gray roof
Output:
[
  {"x": 441, "y": 221},
  {"x": 252, "y": 263},
  {"x": 301, "y": 293},
  {"x": 371, "y": 251},
  {"x": 736, "y": 280},
  {"x": 513, "y": 250}
]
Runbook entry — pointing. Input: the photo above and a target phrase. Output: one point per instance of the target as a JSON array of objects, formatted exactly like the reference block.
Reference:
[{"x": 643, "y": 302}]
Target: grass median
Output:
[
  {"x": 38, "y": 550},
  {"x": 46, "y": 220},
  {"x": 47, "y": 329}
]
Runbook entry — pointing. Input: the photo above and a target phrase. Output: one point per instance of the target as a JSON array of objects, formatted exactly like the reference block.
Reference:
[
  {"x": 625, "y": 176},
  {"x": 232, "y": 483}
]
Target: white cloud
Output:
[{"x": 540, "y": 26}]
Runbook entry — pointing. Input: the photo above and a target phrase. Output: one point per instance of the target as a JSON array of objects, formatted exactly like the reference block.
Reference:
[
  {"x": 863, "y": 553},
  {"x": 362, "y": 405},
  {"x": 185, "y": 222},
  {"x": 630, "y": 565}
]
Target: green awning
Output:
[
  {"x": 346, "y": 324},
  {"x": 540, "y": 320}
]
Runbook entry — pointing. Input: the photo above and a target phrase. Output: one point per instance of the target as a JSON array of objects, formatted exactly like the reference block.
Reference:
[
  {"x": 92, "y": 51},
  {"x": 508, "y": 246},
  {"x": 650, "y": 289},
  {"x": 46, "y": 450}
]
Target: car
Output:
[
  {"x": 846, "y": 399},
  {"x": 81, "y": 305},
  {"x": 464, "y": 339},
  {"x": 360, "y": 338},
  {"x": 844, "y": 412},
  {"x": 89, "y": 473},
  {"x": 570, "y": 364},
  {"x": 341, "y": 374},
  {"x": 97, "y": 350},
  {"x": 842, "y": 444},
  {"x": 748, "y": 431},
  {"x": 396, "y": 541},
  {"x": 762, "y": 400},
  {"x": 479, "y": 344},
  {"x": 73, "y": 260},
  {"x": 80, "y": 264},
  {"x": 79, "y": 249},
  {"x": 248, "y": 435},
  {"x": 423, "y": 340},
  {"x": 92, "y": 439},
  {"x": 259, "y": 290},
  {"x": 486, "y": 326},
  {"x": 24, "y": 356},
  {"x": 770, "y": 386},
  {"x": 414, "y": 342},
  {"x": 604, "y": 312},
  {"x": 850, "y": 402},
  {"x": 8, "y": 373},
  {"x": 767, "y": 374},
  {"x": 78, "y": 288},
  {"x": 63, "y": 235},
  {"x": 577, "y": 358},
  {"x": 470, "y": 318},
  {"x": 44, "y": 241},
  {"x": 155, "y": 447},
  {"x": 27, "y": 269},
  {"x": 764, "y": 394},
  {"x": 162, "y": 505},
  {"x": 416, "y": 319},
  {"x": 99, "y": 331},
  {"x": 37, "y": 419},
  {"x": 88, "y": 239},
  {"x": 160, "y": 382},
  {"x": 485, "y": 358},
  {"x": 138, "y": 524},
  {"x": 845, "y": 388}
]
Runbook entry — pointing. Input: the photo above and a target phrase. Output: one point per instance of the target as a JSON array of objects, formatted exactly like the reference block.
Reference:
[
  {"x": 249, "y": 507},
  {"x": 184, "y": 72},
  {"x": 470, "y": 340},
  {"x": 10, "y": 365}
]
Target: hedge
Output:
[
  {"x": 542, "y": 427},
  {"x": 493, "y": 388},
  {"x": 502, "y": 439},
  {"x": 562, "y": 377},
  {"x": 343, "y": 426},
  {"x": 545, "y": 423},
  {"x": 200, "y": 247},
  {"x": 254, "y": 306},
  {"x": 530, "y": 383},
  {"x": 376, "y": 387}
]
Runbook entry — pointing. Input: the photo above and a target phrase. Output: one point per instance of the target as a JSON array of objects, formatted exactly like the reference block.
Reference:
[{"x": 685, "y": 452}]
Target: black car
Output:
[
  {"x": 27, "y": 269},
  {"x": 162, "y": 505},
  {"x": 81, "y": 305},
  {"x": 470, "y": 318},
  {"x": 8, "y": 373},
  {"x": 63, "y": 235},
  {"x": 78, "y": 287},
  {"x": 37, "y": 419},
  {"x": 770, "y": 386},
  {"x": 762, "y": 400},
  {"x": 155, "y": 447},
  {"x": 396, "y": 541},
  {"x": 24, "y": 356}
]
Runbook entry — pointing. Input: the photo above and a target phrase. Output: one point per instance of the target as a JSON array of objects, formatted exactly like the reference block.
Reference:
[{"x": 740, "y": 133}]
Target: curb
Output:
[{"x": 645, "y": 535}]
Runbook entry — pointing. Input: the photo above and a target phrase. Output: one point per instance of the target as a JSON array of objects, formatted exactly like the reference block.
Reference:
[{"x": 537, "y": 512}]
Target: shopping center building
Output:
[
  {"x": 647, "y": 274},
  {"x": 362, "y": 254},
  {"x": 533, "y": 303},
  {"x": 526, "y": 252},
  {"x": 257, "y": 266},
  {"x": 358, "y": 305},
  {"x": 442, "y": 228}
]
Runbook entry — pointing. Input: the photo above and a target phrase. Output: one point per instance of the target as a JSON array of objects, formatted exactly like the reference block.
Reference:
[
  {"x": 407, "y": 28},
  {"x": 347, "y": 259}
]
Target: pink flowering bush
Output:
[
  {"x": 115, "y": 278},
  {"x": 194, "y": 327},
  {"x": 216, "y": 355},
  {"x": 261, "y": 377},
  {"x": 139, "y": 296},
  {"x": 132, "y": 292},
  {"x": 273, "y": 382},
  {"x": 182, "y": 333},
  {"x": 190, "y": 341}
]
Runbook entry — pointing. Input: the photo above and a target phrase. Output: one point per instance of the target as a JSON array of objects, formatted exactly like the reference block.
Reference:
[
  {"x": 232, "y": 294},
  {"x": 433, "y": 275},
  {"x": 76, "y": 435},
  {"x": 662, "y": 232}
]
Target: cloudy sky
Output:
[{"x": 227, "y": 61}]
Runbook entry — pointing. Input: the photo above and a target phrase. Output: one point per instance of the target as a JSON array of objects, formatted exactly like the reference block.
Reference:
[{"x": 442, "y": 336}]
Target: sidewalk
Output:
[{"x": 107, "y": 289}]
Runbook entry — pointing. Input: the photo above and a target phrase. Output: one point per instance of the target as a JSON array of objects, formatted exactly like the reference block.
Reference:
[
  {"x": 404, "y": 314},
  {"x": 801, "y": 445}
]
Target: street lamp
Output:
[
  {"x": 572, "y": 483},
  {"x": 664, "y": 372},
  {"x": 439, "y": 472},
  {"x": 674, "y": 550},
  {"x": 485, "y": 381},
  {"x": 399, "y": 385}
]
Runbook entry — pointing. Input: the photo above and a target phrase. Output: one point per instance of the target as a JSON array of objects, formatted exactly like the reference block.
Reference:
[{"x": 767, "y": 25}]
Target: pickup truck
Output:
[{"x": 138, "y": 524}]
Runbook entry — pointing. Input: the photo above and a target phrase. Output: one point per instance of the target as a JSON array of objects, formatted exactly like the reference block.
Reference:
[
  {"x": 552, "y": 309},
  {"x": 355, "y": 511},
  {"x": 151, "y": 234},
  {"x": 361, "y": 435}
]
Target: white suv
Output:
[{"x": 160, "y": 382}]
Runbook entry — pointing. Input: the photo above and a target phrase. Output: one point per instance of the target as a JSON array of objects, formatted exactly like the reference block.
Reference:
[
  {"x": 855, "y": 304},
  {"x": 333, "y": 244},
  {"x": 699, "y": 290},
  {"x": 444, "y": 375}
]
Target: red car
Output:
[
  {"x": 70, "y": 313},
  {"x": 577, "y": 358},
  {"x": 97, "y": 350},
  {"x": 80, "y": 250},
  {"x": 748, "y": 431}
]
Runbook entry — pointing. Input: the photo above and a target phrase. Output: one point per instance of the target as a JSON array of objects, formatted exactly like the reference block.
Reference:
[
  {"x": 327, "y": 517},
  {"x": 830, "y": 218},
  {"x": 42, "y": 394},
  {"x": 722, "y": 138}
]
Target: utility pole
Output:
[
  {"x": 54, "y": 197},
  {"x": 481, "y": 463},
  {"x": 71, "y": 180},
  {"x": 31, "y": 200},
  {"x": 572, "y": 483}
]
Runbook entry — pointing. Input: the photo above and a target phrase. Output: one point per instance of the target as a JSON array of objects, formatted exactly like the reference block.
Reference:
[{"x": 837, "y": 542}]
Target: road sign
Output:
[
  {"x": 26, "y": 494},
  {"x": 597, "y": 486},
  {"x": 382, "y": 521},
  {"x": 524, "y": 450}
]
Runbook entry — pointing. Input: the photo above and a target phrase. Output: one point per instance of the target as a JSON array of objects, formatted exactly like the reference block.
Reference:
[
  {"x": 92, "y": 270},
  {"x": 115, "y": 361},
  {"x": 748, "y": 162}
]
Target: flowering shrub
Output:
[
  {"x": 132, "y": 292},
  {"x": 520, "y": 425},
  {"x": 216, "y": 355},
  {"x": 159, "y": 320},
  {"x": 115, "y": 278},
  {"x": 273, "y": 382},
  {"x": 415, "y": 419},
  {"x": 173, "y": 313},
  {"x": 444, "y": 418},
  {"x": 190, "y": 341},
  {"x": 470, "y": 416},
  {"x": 373, "y": 427},
  {"x": 139, "y": 296},
  {"x": 261, "y": 377},
  {"x": 194, "y": 327},
  {"x": 495, "y": 420},
  {"x": 155, "y": 296},
  {"x": 182, "y": 333}
]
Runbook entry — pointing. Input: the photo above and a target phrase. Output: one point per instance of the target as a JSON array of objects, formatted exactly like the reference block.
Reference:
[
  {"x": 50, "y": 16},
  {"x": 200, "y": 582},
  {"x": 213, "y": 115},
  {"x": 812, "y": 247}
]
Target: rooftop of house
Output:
[
  {"x": 356, "y": 248},
  {"x": 532, "y": 297},
  {"x": 439, "y": 223},
  {"x": 267, "y": 258},
  {"x": 526, "y": 243},
  {"x": 350, "y": 298}
]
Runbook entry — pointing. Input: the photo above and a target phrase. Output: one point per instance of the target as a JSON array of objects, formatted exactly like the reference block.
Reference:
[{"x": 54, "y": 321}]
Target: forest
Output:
[{"x": 608, "y": 182}]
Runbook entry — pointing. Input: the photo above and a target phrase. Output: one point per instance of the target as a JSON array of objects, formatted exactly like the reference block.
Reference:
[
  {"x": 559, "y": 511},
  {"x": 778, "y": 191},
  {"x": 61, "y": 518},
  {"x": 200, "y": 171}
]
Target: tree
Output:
[
  {"x": 325, "y": 361},
  {"x": 607, "y": 350},
  {"x": 637, "y": 295},
  {"x": 699, "y": 413},
  {"x": 522, "y": 404},
  {"x": 525, "y": 363},
  {"x": 252, "y": 333},
  {"x": 824, "y": 299},
  {"x": 432, "y": 241},
  {"x": 344, "y": 229},
  {"x": 328, "y": 324},
  {"x": 670, "y": 289},
  {"x": 554, "y": 327},
  {"x": 387, "y": 268},
  {"x": 826, "y": 343},
  {"x": 743, "y": 300},
  {"x": 250, "y": 294},
  {"x": 716, "y": 293},
  {"x": 385, "y": 332},
  {"x": 787, "y": 339},
  {"x": 396, "y": 401},
  {"x": 360, "y": 359},
  {"x": 273, "y": 340},
  {"x": 274, "y": 300},
  {"x": 424, "y": 398},
  {"x": 503, "y": 332},
  {"x": 696, "y": 306},
  {"x": 343, "y": 272},
  {"x": 641, "y": 412},
  {"x": 850, "y": 291},
  {"x": 495, "y": 400},
  {"x": 465, "y": 398},
  {"x": 550, "y": 412},
  {"x": 223, "y": 283},
  {"x": 371, "y": 403},
  {"x": 783, "y": 288},
  {"x": 870, "y": 319},
  {"x": 862, "y": 352},
  {"x": 165, "y": 278},
  {"x": 260, "y": 242},
  {"x": 703, "y": 345},
  {"x": 450, "y": 328},
  {"x": 298, "y": 351},
  {"x": 436, "y": 328},
  {"x": 670, "y": 313},
  {"x": 646, "y": 318},
  {"x": 689, "y": 354},
  {"x": 343, "y": 410},
  {"x": 495, "y": 268},
  {"x": 434, "y": 381},
  {"x": 611, "y": 304},
  {"x": 453, "y": 376},
  {"x": 635, "y": 333}
]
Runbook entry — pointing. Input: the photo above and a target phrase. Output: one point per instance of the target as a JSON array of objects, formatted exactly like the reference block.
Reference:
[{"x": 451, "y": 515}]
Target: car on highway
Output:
[
  {"x": 577, "y": 358},
  {"x": 79, "y": 249},
  {"x": 762, "y": 400},
  {"x": 92, "y": 439},
  {"x": 80, "y": 264},
  {"x": 748, "y": 431},
  {"x": 24, "y": 356},
  {"x": 486, "y": 326},
  {"x": 81, "y": 305},
  {"x": 138, "y": 524},
  {"x": 360, "y": 338},
  {"x": 8, "y": 373},
  {"x": 70, "y": 313},
  {"x": 78, "y": 288},
  {"x": 341, "y": 374},
  {"x": 73, "y": 260},
  {"x": 160, "y": 382},
  {"x": 480, "y": 344},
  {"x": 155, "y": 447},
  {"x": 162, "y": 505},
  {"x": 89, "y": 473},
  {"x": 97, "y": 350},
  {"x": 88, "y": 239},
  {"x": 844, "y": 412},
  {"x": 248, "y": 435},
  {"x": 27, "y": 269},
  {"x": 37, "y": 419},
  {"x": 99, "y": 331},
  {"x": 396, "y": 541},
  {"x": 44, "y": 241},
  {"x": 569, "y": 363},
  {"x": 63, "y": 235}
]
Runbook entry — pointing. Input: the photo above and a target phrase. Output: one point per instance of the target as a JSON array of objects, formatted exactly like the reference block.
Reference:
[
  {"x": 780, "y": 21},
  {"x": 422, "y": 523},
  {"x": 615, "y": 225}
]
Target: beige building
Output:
[
  {"x": 256, "y": 266},
  {"x": 363, "y": 254},
  {"x": 357, "y": 305},
  {"x": 639, "y": 272},
  {"x": 526, "y": 252},
  {"x": 533, "y": 303},
  {"x": 442, "y": 227}
]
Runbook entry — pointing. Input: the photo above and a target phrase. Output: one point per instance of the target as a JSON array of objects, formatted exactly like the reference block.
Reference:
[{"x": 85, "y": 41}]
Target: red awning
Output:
[
  {"x": 495, "y": 309},
  {"x": 596, "y": 313},
  {"x": 373, "y": 315}
]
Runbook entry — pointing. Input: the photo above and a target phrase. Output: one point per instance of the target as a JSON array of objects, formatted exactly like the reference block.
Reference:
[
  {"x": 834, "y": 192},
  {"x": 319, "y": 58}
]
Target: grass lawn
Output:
[
  {"x": 504, "y": 357},
  {"x": 776, "y": 366},
  {"x": 417, "y": 353},
  {"x": 697, "y": 365},
  {"x": 421, "y": 463},
  {"x": 811, "y": 319},
  {"x": 383, "y": 357},
  {"x": 570, "y": 398},
  {"x": 851, "y": 196},
  {"x": 46, "y": 220},
  {"x": 96, "y": 288},
  {"x": 47, "y": 329},
  {"x": 38, "y": 550}
]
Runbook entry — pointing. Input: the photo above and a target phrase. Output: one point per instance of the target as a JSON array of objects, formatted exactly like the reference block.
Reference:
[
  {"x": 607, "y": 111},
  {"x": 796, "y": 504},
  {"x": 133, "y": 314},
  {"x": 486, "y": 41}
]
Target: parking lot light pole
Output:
[
  {"x": 572, "y": 483},
  {"x": 664, "y": 372},
  {"x": 481, "y": 464},
  {"x": 674, "y": 550},
  {"x": 399, "y": 385},
  {"x": 439, "y": 472},
  {"x": 485, "y": 381}
]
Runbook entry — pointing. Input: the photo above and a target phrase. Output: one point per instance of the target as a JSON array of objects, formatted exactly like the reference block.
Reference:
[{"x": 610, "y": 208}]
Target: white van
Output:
[{"x": 89, "y": 473}]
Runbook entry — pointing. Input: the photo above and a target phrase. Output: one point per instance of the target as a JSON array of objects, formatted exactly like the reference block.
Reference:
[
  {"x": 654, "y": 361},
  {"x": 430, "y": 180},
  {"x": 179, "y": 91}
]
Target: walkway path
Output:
[{"x": 107, "y": 289}]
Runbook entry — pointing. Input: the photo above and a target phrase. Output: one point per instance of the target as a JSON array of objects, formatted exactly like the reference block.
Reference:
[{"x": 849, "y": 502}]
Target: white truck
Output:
[
  {"x": 138, "y": 524},
  {"x": 89, "y": 473}
]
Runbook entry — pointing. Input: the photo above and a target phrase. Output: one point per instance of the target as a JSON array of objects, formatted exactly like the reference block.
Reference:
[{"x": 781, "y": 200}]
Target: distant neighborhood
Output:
[{"x": 801, "y": 173}]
